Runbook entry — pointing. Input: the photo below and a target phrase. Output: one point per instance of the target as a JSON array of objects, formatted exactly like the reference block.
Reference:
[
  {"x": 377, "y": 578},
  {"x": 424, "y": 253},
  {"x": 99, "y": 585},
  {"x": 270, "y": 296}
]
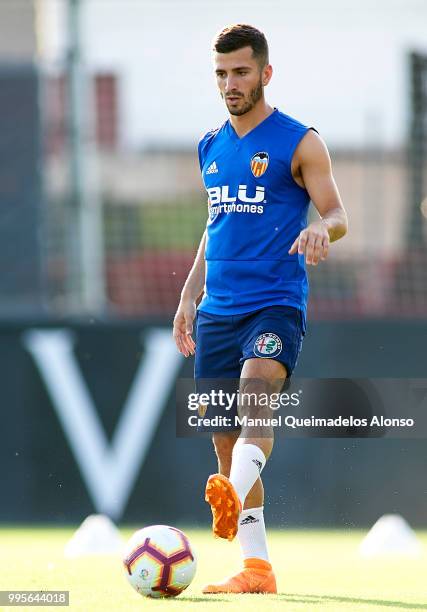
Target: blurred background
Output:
[{"x": 102, "y": 103}]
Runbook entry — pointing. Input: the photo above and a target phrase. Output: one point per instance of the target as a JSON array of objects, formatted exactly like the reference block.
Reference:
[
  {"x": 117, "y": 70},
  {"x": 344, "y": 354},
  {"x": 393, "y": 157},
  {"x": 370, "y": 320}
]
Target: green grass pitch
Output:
[{"x": 316, "y": 570}]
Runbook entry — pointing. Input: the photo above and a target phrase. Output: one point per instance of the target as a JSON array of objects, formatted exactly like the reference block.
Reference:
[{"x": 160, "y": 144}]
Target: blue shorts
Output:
[{"x": 224, "y": 342}]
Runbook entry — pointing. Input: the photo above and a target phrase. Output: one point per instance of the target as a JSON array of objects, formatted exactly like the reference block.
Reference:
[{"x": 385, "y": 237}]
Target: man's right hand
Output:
[{"x": 183, "y": 327}]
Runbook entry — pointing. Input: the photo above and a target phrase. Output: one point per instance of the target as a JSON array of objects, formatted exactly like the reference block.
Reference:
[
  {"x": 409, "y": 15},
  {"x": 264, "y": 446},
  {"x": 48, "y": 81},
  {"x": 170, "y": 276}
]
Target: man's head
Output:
[{"x": 241, "y": 66}]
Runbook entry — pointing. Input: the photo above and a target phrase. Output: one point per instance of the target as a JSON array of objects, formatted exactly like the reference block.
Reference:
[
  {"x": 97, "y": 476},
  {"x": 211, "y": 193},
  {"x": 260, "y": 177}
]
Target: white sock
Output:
[
  {"x": 247, "y": 463},
  {"x": 251, "y": 534}
]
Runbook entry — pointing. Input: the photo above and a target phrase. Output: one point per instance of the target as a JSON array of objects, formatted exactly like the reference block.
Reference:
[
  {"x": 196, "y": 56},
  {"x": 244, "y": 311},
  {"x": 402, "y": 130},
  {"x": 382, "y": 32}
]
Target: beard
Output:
[{"x": 248, "y": 103}]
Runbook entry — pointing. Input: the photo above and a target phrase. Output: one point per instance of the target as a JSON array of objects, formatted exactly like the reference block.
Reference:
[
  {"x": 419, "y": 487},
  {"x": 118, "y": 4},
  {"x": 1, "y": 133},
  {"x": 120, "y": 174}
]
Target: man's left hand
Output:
[{"x": 313, "y": 241}]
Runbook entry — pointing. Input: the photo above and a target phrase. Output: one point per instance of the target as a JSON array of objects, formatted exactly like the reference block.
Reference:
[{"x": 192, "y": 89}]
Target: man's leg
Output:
[
  {"x": 249, "y": 456},
  {"x": 223, "y": 444},
  {"x": 260, "y": 377},
  {"x": 219, "y": 493}
]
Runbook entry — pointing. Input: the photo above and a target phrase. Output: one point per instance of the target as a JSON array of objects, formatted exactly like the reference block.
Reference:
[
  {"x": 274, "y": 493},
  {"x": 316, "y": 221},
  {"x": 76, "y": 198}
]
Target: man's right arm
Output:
[{"x": 184, "y": 317}]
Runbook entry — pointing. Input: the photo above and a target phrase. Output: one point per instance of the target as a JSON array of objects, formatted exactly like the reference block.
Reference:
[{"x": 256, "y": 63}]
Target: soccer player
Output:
[{"x": 261, "y": 168}]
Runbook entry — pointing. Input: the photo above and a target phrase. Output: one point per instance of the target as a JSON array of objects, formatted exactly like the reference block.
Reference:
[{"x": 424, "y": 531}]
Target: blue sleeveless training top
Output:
[{"x": 256, "y": 210}]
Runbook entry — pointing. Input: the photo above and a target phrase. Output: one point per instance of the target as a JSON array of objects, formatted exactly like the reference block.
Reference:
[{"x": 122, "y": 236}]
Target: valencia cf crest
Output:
[{"x": 259, "y": 164}]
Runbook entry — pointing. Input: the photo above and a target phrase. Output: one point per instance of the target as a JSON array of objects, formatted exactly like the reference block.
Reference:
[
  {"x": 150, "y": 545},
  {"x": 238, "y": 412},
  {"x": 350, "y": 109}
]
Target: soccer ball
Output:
[{"x": 159, "y": 561}]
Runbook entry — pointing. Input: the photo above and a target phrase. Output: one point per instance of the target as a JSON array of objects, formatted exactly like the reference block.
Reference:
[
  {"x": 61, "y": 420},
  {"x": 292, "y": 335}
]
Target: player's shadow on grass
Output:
[
  {"x": 319, "y": 599},
  {"x": 203, "y": 599}
]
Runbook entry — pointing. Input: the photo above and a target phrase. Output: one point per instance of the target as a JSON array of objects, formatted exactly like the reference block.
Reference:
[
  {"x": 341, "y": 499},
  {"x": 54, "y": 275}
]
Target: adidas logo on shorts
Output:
[
  {"x": 213, "y": 169},
  {"x": 249, "y": 519}
]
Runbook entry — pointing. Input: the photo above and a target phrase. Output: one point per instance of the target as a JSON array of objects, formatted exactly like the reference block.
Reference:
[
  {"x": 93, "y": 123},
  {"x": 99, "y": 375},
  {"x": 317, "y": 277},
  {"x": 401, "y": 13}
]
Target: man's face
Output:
[{"x": 240, "y": 79}]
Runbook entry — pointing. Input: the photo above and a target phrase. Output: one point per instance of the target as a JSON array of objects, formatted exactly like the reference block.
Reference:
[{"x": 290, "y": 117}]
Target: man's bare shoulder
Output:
[
  {"x": 311, "y": 147},
  {"x": 311, "y": 152}
]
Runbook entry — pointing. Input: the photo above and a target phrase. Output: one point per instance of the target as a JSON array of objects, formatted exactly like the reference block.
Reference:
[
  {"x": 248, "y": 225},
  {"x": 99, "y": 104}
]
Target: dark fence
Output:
[{"x": 88, "y": 424}]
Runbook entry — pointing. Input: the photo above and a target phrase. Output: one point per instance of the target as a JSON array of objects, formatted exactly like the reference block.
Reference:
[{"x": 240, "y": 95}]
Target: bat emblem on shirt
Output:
[{"x": 259, "y": 163}]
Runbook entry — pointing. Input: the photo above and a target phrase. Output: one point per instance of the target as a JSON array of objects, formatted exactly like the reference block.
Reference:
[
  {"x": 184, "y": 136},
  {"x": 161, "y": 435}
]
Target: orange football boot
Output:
[
  {"x": 225, "y": 506},
  {"x": 256, "y": 577}
]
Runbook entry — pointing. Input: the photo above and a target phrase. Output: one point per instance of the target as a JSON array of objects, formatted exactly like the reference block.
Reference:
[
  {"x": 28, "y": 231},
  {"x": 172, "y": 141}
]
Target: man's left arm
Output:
[{"x": 312, "y": 167}]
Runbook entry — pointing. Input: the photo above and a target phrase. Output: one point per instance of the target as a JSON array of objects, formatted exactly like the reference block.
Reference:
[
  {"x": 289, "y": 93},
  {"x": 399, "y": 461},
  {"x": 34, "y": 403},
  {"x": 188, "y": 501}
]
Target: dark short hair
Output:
[{"x": 241, "y": 35}]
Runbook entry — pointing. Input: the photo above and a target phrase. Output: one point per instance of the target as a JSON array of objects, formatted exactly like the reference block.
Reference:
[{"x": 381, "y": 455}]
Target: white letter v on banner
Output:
[{"x": 109, "y": 471}]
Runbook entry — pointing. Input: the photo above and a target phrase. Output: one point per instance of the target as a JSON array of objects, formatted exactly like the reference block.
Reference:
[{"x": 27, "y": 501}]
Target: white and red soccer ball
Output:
[{"x": 159, "y": 561}]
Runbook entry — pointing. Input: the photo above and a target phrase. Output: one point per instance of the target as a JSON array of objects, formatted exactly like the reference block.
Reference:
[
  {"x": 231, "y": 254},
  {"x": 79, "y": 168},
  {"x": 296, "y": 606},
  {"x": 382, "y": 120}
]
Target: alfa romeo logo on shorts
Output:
[{"x": 268, "y": 345}]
